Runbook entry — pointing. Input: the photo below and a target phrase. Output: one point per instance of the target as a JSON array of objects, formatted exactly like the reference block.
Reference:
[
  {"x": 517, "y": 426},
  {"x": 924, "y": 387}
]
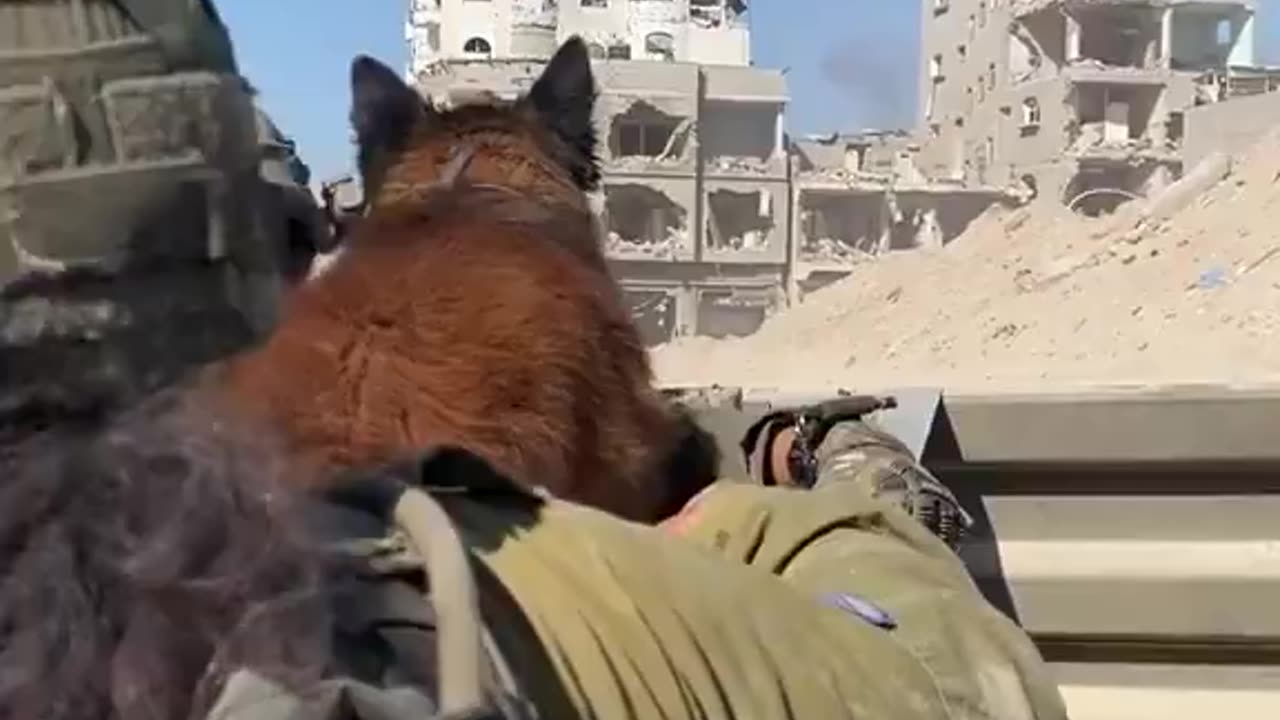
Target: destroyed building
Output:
[
  {"x": 697, "y": 31},
  {"x": 856, "y": 196},
  {"x": 711, "y": 218},
  {"x": 695, "y": 200},
  {"x": 1089, "y": 102}
]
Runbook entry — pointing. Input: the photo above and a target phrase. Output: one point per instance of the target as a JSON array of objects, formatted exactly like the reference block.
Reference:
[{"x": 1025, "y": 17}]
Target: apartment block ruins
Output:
[
  {"x": 695, "y": 197},
  {"x": 696, "y": 193},
  {"x": 712, "y": 218},
  {"x": 1090, "y": 102},
  {"x": 859, "y": 195},
  {"x": 698, "y": 31}
]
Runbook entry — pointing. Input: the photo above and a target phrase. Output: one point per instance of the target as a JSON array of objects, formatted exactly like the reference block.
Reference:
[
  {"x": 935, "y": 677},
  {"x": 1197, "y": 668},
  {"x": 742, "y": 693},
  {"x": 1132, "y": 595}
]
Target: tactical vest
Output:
[
  {"x": 410, "y": 641},
  {"x": 126, "y": 133}
]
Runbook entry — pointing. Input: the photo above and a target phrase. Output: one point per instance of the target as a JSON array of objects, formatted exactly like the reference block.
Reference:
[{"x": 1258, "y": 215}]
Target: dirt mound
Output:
[{"x": 1035, "y": 297}]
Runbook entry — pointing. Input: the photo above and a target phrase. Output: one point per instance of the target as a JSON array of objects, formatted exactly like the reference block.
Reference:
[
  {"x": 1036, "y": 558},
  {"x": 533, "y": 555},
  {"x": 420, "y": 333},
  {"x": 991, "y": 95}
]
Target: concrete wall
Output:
[
  {"x": 720, "y": 46},
  {"x": 975, "y": 130},
  {"x": 962, "y": 119},
  {"x": 727, "y": 82},
  {"x": 1230, "y": 126}
]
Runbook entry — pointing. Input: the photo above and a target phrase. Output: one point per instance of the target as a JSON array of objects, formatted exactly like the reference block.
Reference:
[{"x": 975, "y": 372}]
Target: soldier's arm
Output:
[{"x": 839, "y": 442}]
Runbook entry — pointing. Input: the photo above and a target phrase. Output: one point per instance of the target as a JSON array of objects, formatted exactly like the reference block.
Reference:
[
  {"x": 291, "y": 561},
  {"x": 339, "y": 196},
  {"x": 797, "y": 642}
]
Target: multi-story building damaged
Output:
[
  {"x": 1084, "y": 101},
  {"x": 696, "y": 195},
  {"x": 697, "y": 31},
  {"x": 856, "y": 196},
  {"x": 711, "y": 217}
]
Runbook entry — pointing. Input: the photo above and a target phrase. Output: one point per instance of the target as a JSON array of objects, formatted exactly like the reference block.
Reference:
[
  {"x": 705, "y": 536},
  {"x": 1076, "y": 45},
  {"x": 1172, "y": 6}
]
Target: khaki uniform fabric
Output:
[
  {"x": 719, "y": 614},
  {"x": 836, "y": 540},
  {"x": 639, "y": 624}
]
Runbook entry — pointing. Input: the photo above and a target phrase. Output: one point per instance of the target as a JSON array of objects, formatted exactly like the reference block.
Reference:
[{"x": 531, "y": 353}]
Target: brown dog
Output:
[{"x": 473, "y": 308}]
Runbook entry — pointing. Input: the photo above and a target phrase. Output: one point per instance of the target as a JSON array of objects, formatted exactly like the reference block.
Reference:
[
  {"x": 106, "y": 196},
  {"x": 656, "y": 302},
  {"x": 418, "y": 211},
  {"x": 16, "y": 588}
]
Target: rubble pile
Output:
[{"x": 1183, "y": 289}]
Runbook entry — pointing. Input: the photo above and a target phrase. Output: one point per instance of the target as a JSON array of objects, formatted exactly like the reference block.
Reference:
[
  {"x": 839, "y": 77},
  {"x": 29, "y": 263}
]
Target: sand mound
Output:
[{"x": 1036, "y": 297}]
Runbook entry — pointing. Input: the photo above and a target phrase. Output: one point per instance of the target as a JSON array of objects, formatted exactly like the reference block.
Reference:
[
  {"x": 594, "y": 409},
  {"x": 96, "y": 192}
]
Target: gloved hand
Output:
[
  {"x": 779, "y": 445},
  {"x": 834, "y": 442}
]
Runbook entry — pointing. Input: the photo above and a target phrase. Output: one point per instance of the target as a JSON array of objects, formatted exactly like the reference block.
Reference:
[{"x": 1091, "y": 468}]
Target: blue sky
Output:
[{"x": 850, "y": 63}]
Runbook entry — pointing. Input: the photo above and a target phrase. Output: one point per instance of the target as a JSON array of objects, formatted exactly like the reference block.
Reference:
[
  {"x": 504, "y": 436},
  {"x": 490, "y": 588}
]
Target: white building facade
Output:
[{"x": 712, "y": 32}]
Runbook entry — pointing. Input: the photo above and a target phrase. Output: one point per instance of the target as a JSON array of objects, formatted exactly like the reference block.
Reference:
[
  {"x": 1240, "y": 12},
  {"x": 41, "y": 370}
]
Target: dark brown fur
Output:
[
  {"x": 137, "y": 551},
  {"x": 479, "y": 314}
]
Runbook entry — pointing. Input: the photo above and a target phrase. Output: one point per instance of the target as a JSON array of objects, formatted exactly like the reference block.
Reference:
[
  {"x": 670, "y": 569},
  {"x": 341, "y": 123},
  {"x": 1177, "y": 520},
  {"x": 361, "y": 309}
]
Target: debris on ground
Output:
[{"x": 1037, "y": 296}]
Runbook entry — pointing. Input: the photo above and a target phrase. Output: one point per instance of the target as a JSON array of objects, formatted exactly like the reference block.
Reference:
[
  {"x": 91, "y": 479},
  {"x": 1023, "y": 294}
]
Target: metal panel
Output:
[
  {"x": 1145, "y": 566},
  {"x": 1128, "y": 529},
  {"x": 1178, "y": 424},
  {"x": 1169, "y": 692},
  {"x": 1151, "y": 424}
]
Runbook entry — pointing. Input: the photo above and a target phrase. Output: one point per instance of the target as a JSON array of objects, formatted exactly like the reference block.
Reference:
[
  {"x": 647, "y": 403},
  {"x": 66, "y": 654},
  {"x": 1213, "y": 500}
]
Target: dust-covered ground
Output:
[{"x": 1039, "y": 298}]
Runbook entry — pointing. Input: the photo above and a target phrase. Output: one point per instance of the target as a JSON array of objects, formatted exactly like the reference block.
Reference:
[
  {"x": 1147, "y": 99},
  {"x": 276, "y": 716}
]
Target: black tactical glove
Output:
[{"x": 834, "y": 443}]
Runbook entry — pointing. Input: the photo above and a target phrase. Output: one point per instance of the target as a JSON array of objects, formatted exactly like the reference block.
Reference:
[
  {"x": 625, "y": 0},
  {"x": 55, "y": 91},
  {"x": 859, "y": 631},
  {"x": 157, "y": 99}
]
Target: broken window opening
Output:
[
  {"x": 1045, "y": 34},
  {"x": 855, "y": 158},
  {"x": 660, "y": 46},
  {"x": 1224, "y": 32},
  {"x": 1030, "y": 116},
  {"x": 1114, "y": 114},
  {"x": 733, "y": 132},
  {"x": 730, "y": 313},
  {"x": 706, "y": 13},
  {"x": 477, "y": 46},
  {"x": 1120, "y": 36},
  {"x": 839, "y": 228},
  {"x": 645, "y": 131},
  {"x": 1101, "y": 190},
  {"x": 1031, "y": 184},
  {"x": 739, "y": 220},
  {"x": 654, "y": 314},
  {"x": 639, "y": 218},
  {"x": 619, "y": 52},
  {"x": 1203, "y": 38},
  {"x": 914, "y": 228},
  {"x": 595, "y": 3},
  {"x": 1176, "y": 126},
  {"x": 1024, "y": 57},
  {"x": 710, "y": 14}
]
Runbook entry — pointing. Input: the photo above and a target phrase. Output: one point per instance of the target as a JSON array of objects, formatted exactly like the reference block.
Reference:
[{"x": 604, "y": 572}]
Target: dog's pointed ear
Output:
[
  {"x": 564, "y": 98},
  {"x": 384, "y": 110}
]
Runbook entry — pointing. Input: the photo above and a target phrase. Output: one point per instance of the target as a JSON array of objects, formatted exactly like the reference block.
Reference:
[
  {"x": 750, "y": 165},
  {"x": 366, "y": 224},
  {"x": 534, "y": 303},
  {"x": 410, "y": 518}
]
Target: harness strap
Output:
[{"x": 460, "y": 632}]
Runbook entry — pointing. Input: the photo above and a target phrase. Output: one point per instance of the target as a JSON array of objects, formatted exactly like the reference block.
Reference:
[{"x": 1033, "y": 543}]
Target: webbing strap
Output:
[{"x": 453, "y": 594}]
